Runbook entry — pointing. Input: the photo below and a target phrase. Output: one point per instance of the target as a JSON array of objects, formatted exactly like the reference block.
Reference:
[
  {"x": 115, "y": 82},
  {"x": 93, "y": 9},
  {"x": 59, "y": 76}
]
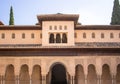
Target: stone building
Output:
[{"x": 59, "y": 50}]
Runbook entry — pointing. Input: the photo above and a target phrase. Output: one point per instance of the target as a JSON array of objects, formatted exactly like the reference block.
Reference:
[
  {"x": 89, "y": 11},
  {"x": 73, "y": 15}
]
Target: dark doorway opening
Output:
[{"x": 58, "y": 74}]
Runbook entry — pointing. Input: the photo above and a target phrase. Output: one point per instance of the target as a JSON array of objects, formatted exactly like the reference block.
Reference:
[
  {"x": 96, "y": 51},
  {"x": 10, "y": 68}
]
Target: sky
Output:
[{"x": 91, "y": 12}]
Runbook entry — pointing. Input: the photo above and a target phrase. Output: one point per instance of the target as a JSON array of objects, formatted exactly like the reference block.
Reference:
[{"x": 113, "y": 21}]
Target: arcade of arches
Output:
[{"x": 61, "y": 72}]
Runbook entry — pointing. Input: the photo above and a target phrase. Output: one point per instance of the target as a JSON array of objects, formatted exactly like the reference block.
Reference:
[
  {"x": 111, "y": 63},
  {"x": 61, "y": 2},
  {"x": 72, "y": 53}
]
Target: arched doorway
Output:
[{"x": 58, "y": 74}]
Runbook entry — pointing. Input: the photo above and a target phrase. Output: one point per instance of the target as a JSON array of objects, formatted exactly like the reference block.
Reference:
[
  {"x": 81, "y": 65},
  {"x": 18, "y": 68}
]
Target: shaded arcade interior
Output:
[{"x": 59, "y": 75}]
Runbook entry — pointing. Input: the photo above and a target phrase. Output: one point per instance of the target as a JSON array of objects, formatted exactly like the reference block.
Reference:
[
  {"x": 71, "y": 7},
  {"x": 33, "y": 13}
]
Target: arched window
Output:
[
  {"x": 58, "y": 38},
  {"x": 3, "y": 36},
  {"x": 102, "y": 35},
  {"x": 40, "y": 35},
  {"x": 119, "y": 35},
  {"x": 64, "y": 38},
  {"x": 93, "y": 35},
  {"x": 51, "y": 38},
  {"x": 60, "y": 27},
  {"x": 32, "y": 35},
  {"x": 50, "y": 27},
  {"x": 23, "y": 35},
  {"x": 75, "y": 35},
  {"x": 13, "y": 35},
  {"x": 84, "y": 35},
  {"x": 55, "y": 27},
  {"x": 65, "y": 27},
  {"x": 111, "y": 35}
]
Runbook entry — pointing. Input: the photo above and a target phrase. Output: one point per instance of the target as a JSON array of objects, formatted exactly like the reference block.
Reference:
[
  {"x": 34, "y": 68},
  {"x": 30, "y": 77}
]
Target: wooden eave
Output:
[
  {"x": 61, "y": 52},
  {"x": 97, "y": 27},
  {"x": 58, "y": 17},
  {"x": 1, "y": 23},
  {"x": 19, "y": 27}
]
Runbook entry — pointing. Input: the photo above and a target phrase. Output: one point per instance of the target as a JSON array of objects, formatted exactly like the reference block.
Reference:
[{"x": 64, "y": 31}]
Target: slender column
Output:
[
  {"x": 3, "y": 79},
  {"x": 43, "y": 79},
  {"x": 30, "y": 80},
  {"x": 85, "y": 79},
  {"x": 99, "y": 79},
  {"x": 0, "y": 79},
  {"x": 113, "y": 79},
  {"x": 16, "y": 80},
  {"x": 54, "y": 37},
  {"x": 72, "y": 80}
]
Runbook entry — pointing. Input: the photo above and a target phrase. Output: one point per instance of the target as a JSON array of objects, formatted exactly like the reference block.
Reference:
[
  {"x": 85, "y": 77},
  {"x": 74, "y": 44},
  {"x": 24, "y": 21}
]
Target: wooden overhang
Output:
[
  {"x": 97, "y": 27},
  {"x": 1, "y": 23},
  {"x": 77, "y": 27},
  {"x": 58, "y": 17},
  {"x": 60, "y": 52},
  {"x": 20, "y": 27}
]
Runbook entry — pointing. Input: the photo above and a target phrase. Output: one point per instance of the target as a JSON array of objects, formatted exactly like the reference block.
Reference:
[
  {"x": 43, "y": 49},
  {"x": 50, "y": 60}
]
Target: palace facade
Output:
[{"x": 59, "y": 50}]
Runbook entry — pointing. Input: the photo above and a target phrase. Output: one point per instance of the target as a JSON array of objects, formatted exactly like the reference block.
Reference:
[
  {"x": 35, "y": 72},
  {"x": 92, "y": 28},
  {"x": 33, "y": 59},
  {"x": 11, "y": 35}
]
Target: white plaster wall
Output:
[
  {"x": 18, "y": 37},
  {"x": 46, "y": 31}
]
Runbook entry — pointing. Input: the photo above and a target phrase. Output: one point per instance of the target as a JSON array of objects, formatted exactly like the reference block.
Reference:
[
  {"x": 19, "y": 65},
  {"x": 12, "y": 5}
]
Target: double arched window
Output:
[{"x": 58, "y": 38}]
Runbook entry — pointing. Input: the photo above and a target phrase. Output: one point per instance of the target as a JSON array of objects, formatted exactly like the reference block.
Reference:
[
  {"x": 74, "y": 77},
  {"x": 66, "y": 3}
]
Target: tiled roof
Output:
[
  {"x": 97, "y": 27},
  {"x": 1, "y": 23},
  {"x": 77, "y": 45},
  {"x": 58, "y": 17},
  {"x": 19, "y": 27}
]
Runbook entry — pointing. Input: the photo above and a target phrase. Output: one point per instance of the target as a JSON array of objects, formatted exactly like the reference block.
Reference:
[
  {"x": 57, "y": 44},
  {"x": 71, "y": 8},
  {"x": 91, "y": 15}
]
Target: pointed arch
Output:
[{"x": 10, "y": 75}]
